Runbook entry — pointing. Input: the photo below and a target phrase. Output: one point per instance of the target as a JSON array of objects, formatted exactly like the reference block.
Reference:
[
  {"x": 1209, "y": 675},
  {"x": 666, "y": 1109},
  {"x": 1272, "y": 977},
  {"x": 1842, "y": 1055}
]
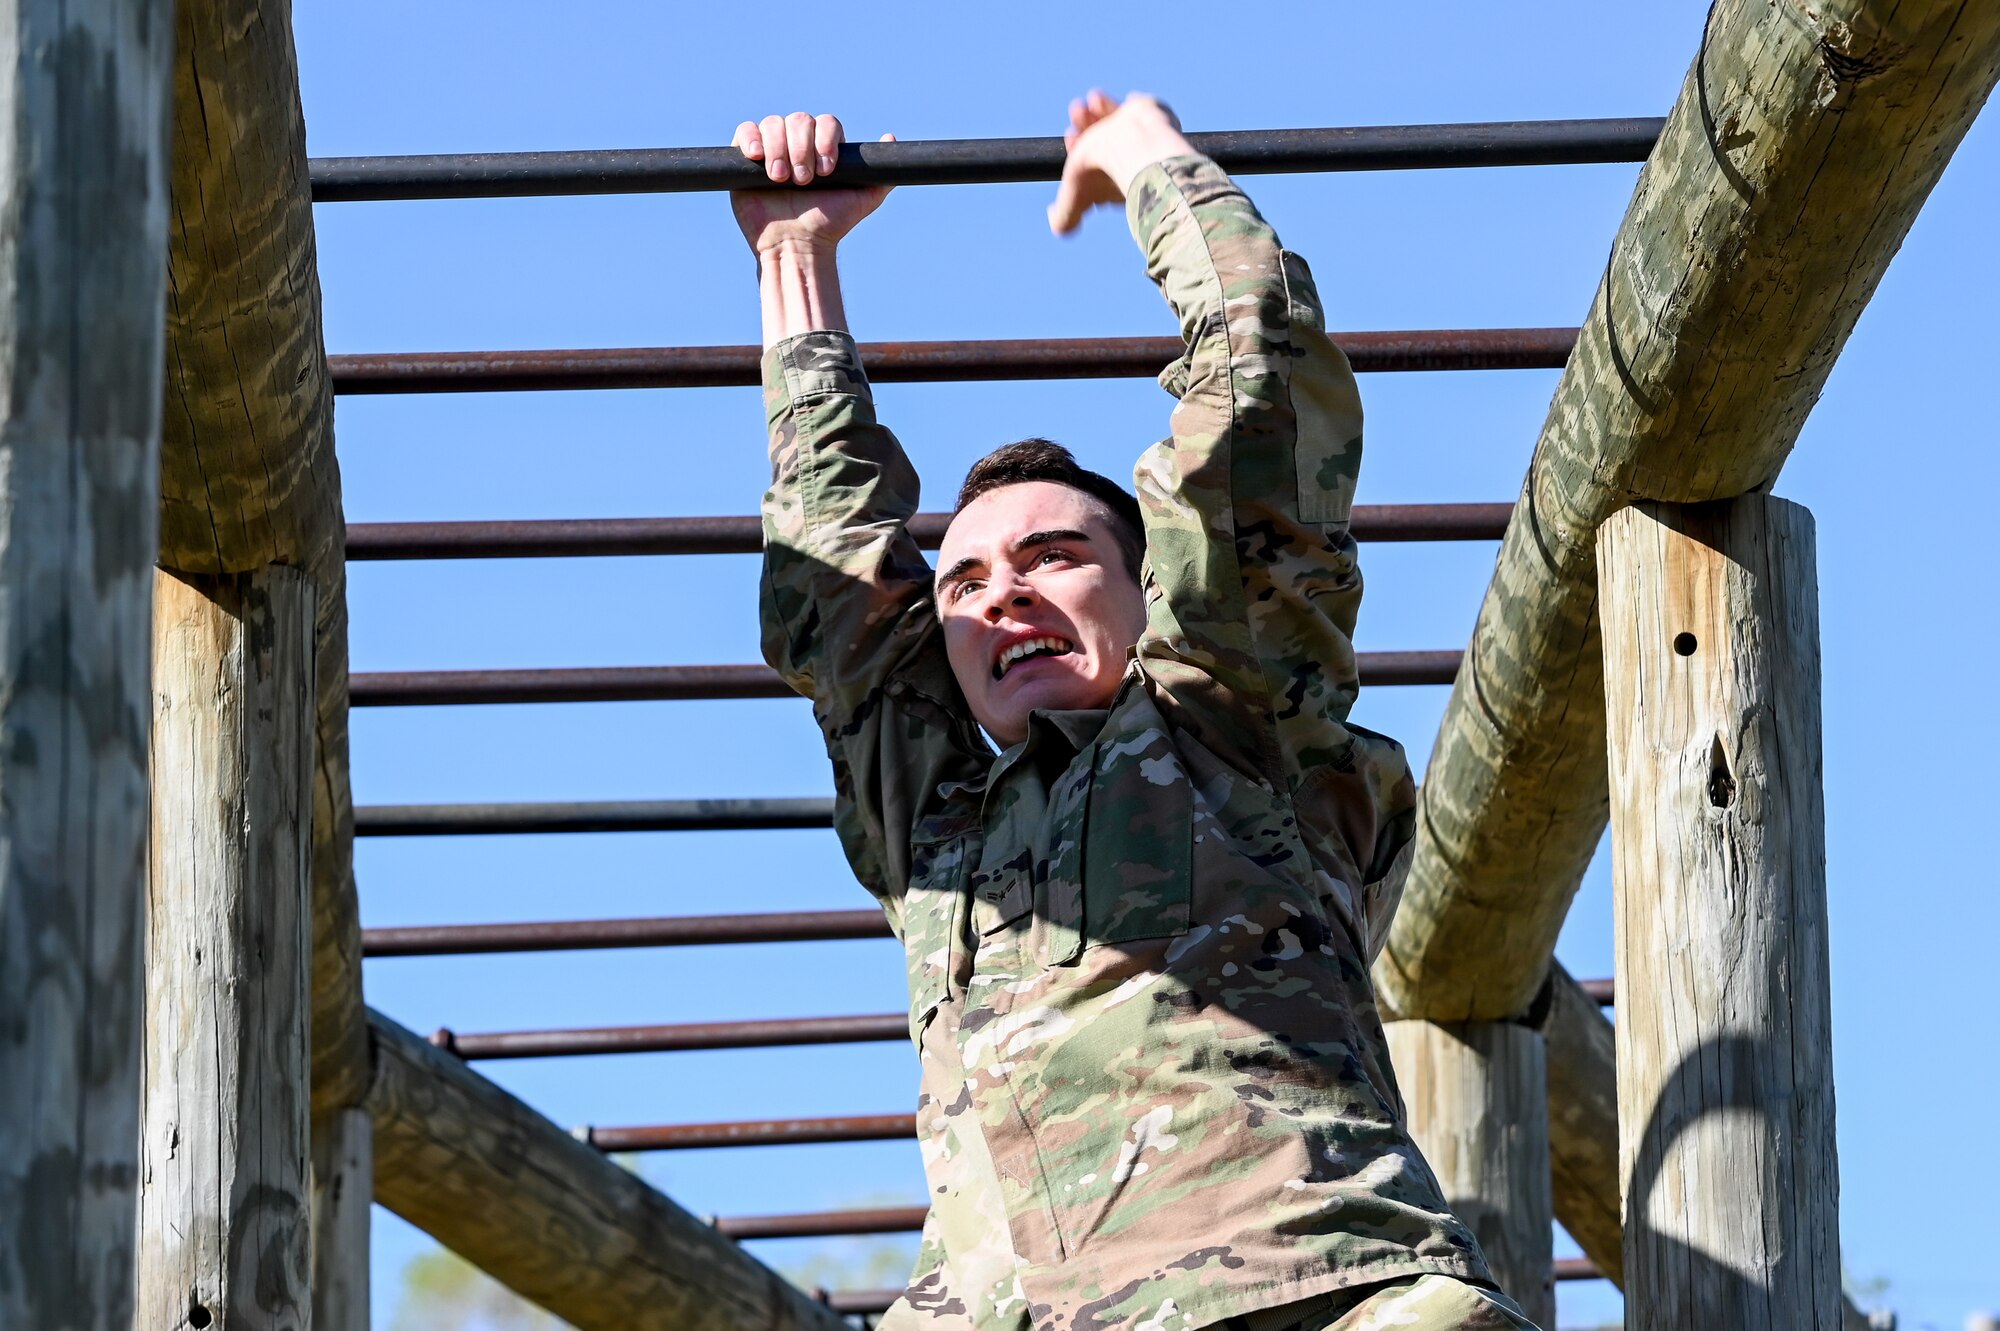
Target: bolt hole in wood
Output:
[
  {"x": 1684, "y": 644},
  {"x": 198, "y": 1317},
  {"x": 1721, "y": 781}
]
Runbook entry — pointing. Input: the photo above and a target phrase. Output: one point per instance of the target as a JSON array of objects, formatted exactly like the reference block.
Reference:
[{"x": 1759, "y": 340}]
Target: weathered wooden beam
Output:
[
  {"x": 343, "y": 1186},
  {"x": 1477, "y": 1099},
  {"x": 83, "y": 175},
  {"x": 1802, "y": 145},
  {"x": 225, "y": 1199},
  {"x": 247, "y": 472},
  {"x": 549, "y": 1216},
  {"x": 1583, "y": 1122},
  {"x": 1718, "y": 836}
]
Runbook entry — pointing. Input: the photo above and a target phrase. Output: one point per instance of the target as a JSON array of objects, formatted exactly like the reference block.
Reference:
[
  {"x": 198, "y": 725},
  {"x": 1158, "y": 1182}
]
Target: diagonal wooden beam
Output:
[
  {"x": 549, "y": 1216},
  {"x": 247, "y": 472},
  {"x": 1803, "y": 143}
]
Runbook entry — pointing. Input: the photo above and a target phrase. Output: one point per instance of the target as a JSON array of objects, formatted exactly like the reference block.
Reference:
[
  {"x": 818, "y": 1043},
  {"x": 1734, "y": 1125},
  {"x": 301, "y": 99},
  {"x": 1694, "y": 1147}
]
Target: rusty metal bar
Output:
[
  {"x": 910, "y": 1219},
  {"x": 676, "y": 1038},
  {"x": 977, "y": 161},
  {"x": 768, "y": 1132},
  {"x": 1603, "y": 992},
  {"x": 873, "y": 1302},
  {"x": 577, "y": 537},
  {"x": 862, "y": 1302},
  {"x": 911, "y": 362},
  {"x": 441, "y": 940},
  {"x": 821, "y": 1224},
  {"x": 438, "y": 688},
  {"x": 606, "y": 816}
]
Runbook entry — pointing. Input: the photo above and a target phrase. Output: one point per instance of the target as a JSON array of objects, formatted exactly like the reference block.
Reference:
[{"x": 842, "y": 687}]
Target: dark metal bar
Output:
[
  {"x": 977, "y": 161},
  {"x": 912, "y": 362},
  {"x": 770, "y": 1132},
  {"x": 1604, "y": 992},
  {"x": 872, "y": 1302},
  {"x": 665, "y": 931},
  {"x": 862, "y": 1302},
  {"x": 572, "y": 537},
  {"x": 1577, "y": 1268},
  {"x": 608, "y": 816},
  {"x": 819, "y": 1224},
  {"x": 676, "y": 1038},
  {"x": 437, "y": 688}
]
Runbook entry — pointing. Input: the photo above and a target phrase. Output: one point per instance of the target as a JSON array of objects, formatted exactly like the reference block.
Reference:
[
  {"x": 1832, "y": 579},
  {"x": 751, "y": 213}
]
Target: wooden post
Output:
[
  {"x": 1725, "y": 1074},
  {"x": 343, "y": 1188},
  {"x": 1803, "y": 143},
  {"x": 83, "y": 170},
  {"x": 225, "y": 1197},
  {"x": 1477, "y": 1095}
]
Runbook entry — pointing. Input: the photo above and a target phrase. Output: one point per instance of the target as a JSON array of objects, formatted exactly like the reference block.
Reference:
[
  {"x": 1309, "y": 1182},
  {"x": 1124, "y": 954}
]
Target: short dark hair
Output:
[{"x": 1046, "y": 460}]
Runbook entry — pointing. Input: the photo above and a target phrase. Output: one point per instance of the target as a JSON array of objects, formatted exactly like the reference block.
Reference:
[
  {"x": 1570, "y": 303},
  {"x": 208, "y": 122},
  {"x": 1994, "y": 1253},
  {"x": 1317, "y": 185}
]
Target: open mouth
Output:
[{"x": 1029, "y": 648}]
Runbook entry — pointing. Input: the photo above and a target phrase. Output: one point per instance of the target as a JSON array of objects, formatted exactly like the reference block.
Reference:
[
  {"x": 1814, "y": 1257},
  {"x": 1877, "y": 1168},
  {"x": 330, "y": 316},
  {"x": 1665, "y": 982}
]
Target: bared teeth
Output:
[{"x": 1047, "y": 645}]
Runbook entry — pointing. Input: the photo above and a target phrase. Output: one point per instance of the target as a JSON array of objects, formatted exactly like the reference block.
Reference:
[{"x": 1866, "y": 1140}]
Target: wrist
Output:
[{"x": 781, "y": 246}]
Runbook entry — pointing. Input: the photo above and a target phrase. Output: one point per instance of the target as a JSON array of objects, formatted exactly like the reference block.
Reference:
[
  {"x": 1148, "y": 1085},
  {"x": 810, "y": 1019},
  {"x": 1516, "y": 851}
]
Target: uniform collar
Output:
[{"x": 1072, "y": 730}]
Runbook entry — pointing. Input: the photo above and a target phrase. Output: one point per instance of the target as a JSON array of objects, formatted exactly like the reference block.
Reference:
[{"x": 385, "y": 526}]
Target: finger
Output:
[
  {"x": 1101, "y": 104},
  {"x": 827, "y": 138},
  {"x": 1066, "y": 211},
  {"x": 799, "y": 146},
  {"x": 749, "y": 140},
  {"x": 775, "y": 164},
  {"x": 1079, "y": 115}
]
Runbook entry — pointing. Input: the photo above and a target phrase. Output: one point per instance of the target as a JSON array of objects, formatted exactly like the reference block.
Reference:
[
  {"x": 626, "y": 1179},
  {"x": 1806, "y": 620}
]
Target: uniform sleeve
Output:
[
  {"x": 1253, "y": 582},
  {"x": 846, "y": 609}
]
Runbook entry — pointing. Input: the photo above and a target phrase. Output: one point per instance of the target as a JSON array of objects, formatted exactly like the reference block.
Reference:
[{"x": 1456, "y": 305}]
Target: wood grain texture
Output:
[
  {"x": 83, "y": 208},
  {"x": 1725, "y": 1088},
  {"x": 1477, "y": 1100},
  {"x": 224, "y": 1193},
  {"x": 1801, "y": 147},
  {"x": 343, "y": 1188},
  {"x": 550, "y": 1217},
  {"x": 1583, "y": 1122},
  {"x": 247, "y": 470}
]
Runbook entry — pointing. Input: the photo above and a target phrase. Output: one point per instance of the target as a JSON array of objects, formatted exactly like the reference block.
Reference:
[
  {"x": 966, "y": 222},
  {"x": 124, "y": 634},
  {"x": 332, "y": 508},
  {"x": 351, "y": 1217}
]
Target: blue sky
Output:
[{"x": 1897, "y": 463}]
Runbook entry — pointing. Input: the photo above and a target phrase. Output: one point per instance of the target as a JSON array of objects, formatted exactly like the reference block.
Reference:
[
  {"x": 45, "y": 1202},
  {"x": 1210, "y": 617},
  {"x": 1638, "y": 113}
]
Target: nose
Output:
[{"x": 1007, "y": 590}]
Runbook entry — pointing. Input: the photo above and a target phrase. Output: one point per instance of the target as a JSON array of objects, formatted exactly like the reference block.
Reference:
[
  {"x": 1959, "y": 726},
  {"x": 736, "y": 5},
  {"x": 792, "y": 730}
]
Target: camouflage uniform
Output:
[{"x": 1155, "y": 1087}]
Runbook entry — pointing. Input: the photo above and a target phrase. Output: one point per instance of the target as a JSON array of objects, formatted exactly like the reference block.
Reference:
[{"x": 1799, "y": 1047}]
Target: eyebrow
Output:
[{"x": 1028, "y": 542}]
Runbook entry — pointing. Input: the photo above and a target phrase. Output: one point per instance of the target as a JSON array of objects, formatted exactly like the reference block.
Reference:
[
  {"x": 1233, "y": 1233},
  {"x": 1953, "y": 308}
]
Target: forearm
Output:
[{"x": 798, "y": 287}]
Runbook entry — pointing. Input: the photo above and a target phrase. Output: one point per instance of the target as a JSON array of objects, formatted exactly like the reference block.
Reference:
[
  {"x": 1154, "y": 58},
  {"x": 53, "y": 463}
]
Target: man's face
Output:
[{"x": 1038, "y": 607}]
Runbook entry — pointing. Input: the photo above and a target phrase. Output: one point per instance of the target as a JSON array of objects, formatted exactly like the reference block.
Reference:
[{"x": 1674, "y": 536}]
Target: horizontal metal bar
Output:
[
  {"x": 437, "y": 940},
  {"x": 910, "y": 1219},
  {"x": 820, "y": 1224},
  {"x": 872, "y": 1302},
  {"x": 911, "y": 362},
  {"x": 861, "y": 1302},
  {"x": 976, "y": 161},
  {"x": 767, "y": 1132},
  {"x": 438, "y": 688},
  {"x": 676, "y": 1038},
  {"x": 606, "y": 816},
  {"x": 1604, "y": 992},
  {"x": 576, "y": 537}
]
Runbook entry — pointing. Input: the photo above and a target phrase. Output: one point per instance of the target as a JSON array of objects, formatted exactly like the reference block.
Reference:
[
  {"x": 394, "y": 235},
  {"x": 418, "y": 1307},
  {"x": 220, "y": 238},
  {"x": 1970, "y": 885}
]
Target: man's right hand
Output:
[{"x": 795, "y": 150}]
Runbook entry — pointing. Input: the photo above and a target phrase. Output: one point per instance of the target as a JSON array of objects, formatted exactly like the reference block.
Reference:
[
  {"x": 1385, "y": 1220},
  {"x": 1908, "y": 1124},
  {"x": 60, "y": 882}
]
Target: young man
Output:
[{"x": 1155, "y": 1091}]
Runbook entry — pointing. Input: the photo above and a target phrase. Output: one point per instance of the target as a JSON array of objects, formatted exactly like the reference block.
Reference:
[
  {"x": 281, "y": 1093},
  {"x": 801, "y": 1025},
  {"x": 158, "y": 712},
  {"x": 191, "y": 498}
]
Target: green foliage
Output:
[{"x": 444, "y": 1292}]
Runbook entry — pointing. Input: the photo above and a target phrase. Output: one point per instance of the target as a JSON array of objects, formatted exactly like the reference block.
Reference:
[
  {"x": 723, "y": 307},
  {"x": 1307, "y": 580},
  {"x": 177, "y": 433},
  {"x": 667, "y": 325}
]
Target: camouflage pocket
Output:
[
  {"x": 941, "y": 852},
  {"x": 1136, "y": 870}
]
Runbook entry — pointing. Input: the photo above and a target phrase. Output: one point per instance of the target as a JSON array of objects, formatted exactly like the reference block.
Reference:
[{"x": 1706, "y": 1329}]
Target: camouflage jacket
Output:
[{"x": 1155, "y": 1086}]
